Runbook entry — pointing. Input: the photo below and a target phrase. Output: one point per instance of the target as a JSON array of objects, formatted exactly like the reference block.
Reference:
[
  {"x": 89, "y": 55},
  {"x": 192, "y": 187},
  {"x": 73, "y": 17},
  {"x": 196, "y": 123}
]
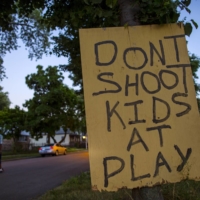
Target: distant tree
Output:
[
  {"x": 12, "y": 123},
  {"x": 195, "y": 65},
  {"x": 4, "y": 100},
  {"x": 2, "y": 70},
  {"x": 53, "y": 104}
]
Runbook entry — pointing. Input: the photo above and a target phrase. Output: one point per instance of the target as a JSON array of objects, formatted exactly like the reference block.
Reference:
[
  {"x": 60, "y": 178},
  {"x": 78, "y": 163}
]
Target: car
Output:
[{"x": 52, "y": 149}]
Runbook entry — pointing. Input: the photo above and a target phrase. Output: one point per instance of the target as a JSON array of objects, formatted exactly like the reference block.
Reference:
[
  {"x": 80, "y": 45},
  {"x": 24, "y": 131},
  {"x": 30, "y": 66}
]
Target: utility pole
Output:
[{"x": 85, "y": 138}]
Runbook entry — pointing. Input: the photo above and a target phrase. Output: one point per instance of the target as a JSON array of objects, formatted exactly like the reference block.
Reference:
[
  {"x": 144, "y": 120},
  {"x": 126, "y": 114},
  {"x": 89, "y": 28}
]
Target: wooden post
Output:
[{"x": 128, "y": 16}]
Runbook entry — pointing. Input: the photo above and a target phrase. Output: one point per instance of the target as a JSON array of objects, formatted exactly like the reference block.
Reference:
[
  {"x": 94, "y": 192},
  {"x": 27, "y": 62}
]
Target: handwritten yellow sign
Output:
[{"x": 141, "y": 110}]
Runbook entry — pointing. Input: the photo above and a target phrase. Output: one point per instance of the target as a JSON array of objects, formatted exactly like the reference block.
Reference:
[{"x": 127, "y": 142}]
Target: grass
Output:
[
  {"x": 79, "y": 188},
  {"x": 185, "y": 190},
  {"x": 71, "y": 149},
  {"x": 9, "y": 155},
  {"x": 19, "y": 156}
]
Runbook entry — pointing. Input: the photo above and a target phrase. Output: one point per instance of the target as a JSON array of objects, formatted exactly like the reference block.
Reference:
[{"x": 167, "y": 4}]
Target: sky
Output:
[{"x": 18, "y": 65}]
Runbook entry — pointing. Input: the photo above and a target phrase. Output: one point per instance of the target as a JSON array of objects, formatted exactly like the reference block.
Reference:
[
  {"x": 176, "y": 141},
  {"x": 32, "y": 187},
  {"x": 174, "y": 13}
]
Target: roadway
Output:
[{"x": 30, "y": 178}]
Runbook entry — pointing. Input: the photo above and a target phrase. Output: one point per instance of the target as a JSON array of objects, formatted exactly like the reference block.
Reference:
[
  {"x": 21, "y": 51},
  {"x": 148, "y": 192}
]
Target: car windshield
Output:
[{"x": 47, "y": 145}]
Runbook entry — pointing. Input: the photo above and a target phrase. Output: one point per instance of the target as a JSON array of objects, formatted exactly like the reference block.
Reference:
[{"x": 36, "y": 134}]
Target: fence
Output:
[{"x": 16, "y": 146}]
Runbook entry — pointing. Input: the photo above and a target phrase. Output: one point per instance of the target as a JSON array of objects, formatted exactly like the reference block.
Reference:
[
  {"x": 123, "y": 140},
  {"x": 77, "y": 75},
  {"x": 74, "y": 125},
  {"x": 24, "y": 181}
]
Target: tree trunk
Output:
[
  {"x": 128, "y": 16},
  {"x": 54, "y": 140},
  {"x": 128, "y": 12},
  {"x": 14, "y": 145},
  {"x": 63, "y": 138},
  {"x": 48, "y": 138}
]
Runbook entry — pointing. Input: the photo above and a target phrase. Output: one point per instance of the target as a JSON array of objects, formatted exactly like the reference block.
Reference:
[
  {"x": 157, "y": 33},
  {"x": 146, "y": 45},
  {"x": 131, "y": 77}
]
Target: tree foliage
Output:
[
  {"x": 195, "y": 64},
  {"x": 101, "y": 13},
  {"x": 2, "y": 70},
  {"x": 4, "y": 100},
  {"x": 21, "y": 21},
  {"x": 53, "y": 104},
  {"x": 34, "y": 21},
  {"x": 12, "y": 123}
]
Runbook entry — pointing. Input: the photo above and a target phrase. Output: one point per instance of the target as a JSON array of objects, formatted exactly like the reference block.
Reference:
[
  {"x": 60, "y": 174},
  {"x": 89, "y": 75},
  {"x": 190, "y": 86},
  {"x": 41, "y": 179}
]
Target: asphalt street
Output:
[{"x": 30, "y": 178}]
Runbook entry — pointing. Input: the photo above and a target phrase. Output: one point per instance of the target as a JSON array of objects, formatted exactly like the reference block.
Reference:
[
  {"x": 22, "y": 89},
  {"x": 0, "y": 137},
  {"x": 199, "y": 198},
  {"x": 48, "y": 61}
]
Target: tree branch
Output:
[{"x": 53, "y": 139}]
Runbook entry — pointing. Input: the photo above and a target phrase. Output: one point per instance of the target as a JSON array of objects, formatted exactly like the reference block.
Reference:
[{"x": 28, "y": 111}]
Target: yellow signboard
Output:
[{"x": 141, "y": 111}]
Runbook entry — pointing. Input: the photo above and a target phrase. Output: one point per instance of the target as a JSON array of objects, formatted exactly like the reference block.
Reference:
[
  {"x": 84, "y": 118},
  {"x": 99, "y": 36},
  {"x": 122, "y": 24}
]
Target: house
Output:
[
  {"x": 71, "y": 139},
  {"x": 27, "y": 142},
  {"x": 23, "y": 142}
]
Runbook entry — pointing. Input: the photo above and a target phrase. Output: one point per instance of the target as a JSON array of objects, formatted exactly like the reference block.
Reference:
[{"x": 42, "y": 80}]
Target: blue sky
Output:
[{"x": 18, "y": 66}]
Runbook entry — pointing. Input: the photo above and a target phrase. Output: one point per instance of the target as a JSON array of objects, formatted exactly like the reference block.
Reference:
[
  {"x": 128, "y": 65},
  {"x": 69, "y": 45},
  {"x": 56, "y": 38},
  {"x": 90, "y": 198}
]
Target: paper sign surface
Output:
[{"x": 141, "y": 110}]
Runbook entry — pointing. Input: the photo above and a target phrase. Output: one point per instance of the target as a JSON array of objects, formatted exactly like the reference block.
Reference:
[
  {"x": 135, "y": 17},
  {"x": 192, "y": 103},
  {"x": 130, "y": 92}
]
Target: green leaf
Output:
[
  {"x": 126, "y": 26},
  {"x": 188, "y": 10},
  {"x": 86, "y": 1},
  {"x": 111, "y": 3},
  {"x": 175, "y": 17},
  {"x": 108, "y": 13},
  {"x": 100, "y": 13},
  {"x": 96, "y": 1},
  {"x": 194, "y": 23},
  {"x": 188, "y": 29},
  {"x": 186, "y": 2},
  {"x": 144, "y": 19},
  {"x": 166, "y": 3}
]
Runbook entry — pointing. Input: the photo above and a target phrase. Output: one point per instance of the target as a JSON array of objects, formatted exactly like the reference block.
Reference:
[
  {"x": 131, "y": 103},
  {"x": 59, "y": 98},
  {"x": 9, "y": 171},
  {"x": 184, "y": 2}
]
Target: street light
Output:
[{"x": 85, "y": 138}]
